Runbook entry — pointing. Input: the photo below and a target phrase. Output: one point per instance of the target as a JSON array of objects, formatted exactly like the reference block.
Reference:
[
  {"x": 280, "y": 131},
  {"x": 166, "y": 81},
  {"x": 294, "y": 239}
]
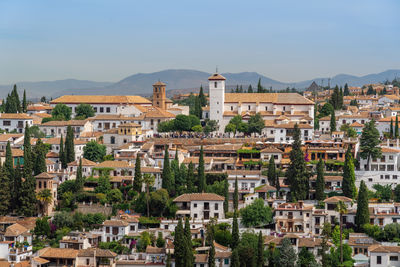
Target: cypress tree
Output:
[
  {"x": 271, "y": 171},
  {"x": 341, "y": 98},
  {"x": 362, "y": 214},
  {"x": 5, "y": 192},
  {"x": 260, "y": 89},
  {"x": 189, "y": 258},
  {"x": 250, "y": 89},
  {"x": 40, "y": 157},
  {"x": 79, "y": 180},
  {"x": 28, "y": 197},
  {"x": 396, "y": 127},
  {"x": 9, "y": 164},
  {"x": 15, "y": 99},
  {"x": 166, "y": 173},
  {"x": 320, "y": 183},
  {"x": 297, "y": 174},
  {"x": 260, "y": 251},
  {"x": 61, "y": 154},
  {"x": 200, "y": 172},
  {"x": 235, "y": 231},
  {"x": 168, "y": 263},
  {"x": 349, "y": 178},
  {"x": 346, "y": 91},
  {"x": 333, "y": 122},
  {"x": 391, "y": 128},
  {"x": 24, "y": 103},
  {"x": 16, "y": 193},
  {"x": 190, "y": 179},
  {"x": 202, "y": 97},
  {"x": 179, "y": 245},
  {"x": 28, "y": 159},
  {"x": 211, "y": 255},
  {"x": 226, "y": 195},
  {"x": 137, "y": 182},
  {"x": 235, "y": 260},
  {"x": 236, "y": 196},
  {"x": 197, "y": 108},
  {"x": 69, "y": 145}
]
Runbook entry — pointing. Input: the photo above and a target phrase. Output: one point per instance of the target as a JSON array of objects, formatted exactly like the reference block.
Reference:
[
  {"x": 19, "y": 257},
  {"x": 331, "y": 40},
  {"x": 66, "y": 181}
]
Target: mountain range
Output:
[{"x": 180, "y": 81}]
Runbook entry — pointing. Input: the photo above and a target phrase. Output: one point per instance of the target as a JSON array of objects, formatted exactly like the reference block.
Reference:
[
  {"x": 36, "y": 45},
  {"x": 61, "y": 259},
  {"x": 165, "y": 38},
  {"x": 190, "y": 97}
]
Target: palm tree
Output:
[
  {"x": 342, "y": 209},
  {"x": 148, "y": 179},
  {"x": 45, "y": 196}
]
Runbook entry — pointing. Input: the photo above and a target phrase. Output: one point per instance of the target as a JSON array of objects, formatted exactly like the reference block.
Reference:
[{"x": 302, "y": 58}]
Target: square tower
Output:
[
  {"x": 159, "y": 97},
  {"x": 217, "y": 98}
]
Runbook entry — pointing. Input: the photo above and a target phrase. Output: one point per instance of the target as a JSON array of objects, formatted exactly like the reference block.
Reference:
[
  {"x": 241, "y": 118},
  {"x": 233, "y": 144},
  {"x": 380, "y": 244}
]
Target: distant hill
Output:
[
  {"x": 49, "y": 88},
  {"x": 180, "y": 81}
]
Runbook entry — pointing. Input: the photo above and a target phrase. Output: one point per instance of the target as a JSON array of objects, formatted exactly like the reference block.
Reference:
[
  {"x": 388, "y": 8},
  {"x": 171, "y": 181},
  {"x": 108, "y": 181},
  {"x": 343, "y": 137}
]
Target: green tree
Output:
[
  {"x": 396, "y": 193},
  {"x": 24, "y": 103},
  {"x": 200, "y": 172},
  {"x": 148, "y": 180},
  {"x": 17, "y": 183},
  {"x": 160, "y": 242},
  {"x": 383, "y": 192},
  {"x": 28, "y": 159},
  {"x": 182, "y": 123},
  {"x": 69, "y": 145},
  {"x": 39, "y": 152},
  {"x": 189, "y": 258},
  {"x": 79, "y": 180},
  {"x": 44, "y": 197},
  {"x": 349, "y": 178},
  {"x": 370, "y": 90},
  {"x": 190, "y": 179},
  {"x": 271, "y": 171},
  {"x": 362, "y": 214},
  {"x": 235, "y": 231},
  {"x": 235, "y": 260},
  {"x": 326, "y": 110},
  {"x": 236, "y": 196},
  {"x": 346, "y": 91},
  {"x": 166, "y": 173},
  {"x": 320, "y": 182},
  {"x": 396, "y": 127},
  {"x": 62, "y": 155},
  {"x": 260, "y": 88},
  {"x": 260, "y": 251},
  {"x": 369, "y": 142},
  {"x": 84, "y": 111},
  {"x": 28, "y": 197},
  {"x": 255, "y": 124},
  {"x": 137, "y": 181},
  {"x": 94, "y": 151},
  {"x": 297, "y": 174},
  {"x": 226, "y": 195},
  {"x": 179, "y": 245},
  {"x": 325, "y": 256},
  {"x": 391, "y": 133},
  {"x": 333, "y": 122},
  {"x": 197, "y": 108},
  {"x": 61, "y": 112},
  {"x": 305, "y": 258},
  {"x": 202, "y": 97},
  {"x": 341, "y": 208},
  {"x": 211, "y": 255},
  {"x": 5, "y": 192},
  {"x": 256, "y": 214},
  {"x": 211, "y": 126},
  {"x": 288, "y": 255}
]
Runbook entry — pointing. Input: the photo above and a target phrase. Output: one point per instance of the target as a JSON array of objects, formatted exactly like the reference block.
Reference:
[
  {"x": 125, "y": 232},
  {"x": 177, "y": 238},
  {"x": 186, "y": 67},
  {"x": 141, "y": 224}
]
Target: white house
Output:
[
  {"x": 15, "y": 122},
  {"x": 58, "y": 128},
  {"x": 200, "y": 206},
  {"x": 385, "y": 256}
]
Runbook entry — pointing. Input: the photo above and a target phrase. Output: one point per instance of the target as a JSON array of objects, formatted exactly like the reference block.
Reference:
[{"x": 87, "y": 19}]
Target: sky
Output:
[{"x": 282, "y": 39}]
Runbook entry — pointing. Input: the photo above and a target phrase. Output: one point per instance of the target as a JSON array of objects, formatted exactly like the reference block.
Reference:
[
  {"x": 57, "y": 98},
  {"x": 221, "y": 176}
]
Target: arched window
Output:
[
  {"x": 215, "y": 84},
  {"x": 112, "y": 139}
]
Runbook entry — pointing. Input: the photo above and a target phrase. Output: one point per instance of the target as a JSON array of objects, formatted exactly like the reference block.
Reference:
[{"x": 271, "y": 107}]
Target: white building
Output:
[
  {"x": 224, "y": 106},
  {"x": 58, "y": 128},
  {"x": 15, "y": 122},
  {"x": 200, "y": 206},
  {"x": 384, "y": 256}
]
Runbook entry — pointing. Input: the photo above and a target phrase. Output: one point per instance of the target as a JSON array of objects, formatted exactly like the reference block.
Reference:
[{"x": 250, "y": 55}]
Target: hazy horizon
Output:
[{"x": 288, "y": 41}]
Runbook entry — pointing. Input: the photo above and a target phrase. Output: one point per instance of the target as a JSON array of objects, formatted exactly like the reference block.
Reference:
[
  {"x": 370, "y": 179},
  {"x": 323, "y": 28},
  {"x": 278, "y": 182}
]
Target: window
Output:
[
  {"x": 249, "y": 107},
  {"x": 216, "y": 215},
  {"x": 387, "y": 176},
  {"x": 378, "y": 259},
  {"x": 390, "y": 157},
  {"x": 226, "y": 261},
  {"x": 107, "y": 230},
  {"x": 40, "y": 184},
  {"x": 95, "y": 109},
  {"x": 87, "y": 262},
  {"x": 284, "y": 108},
  {"x": 166, "y": 227},
  {"x": 215, "y": 84},
  {"x": 133, "y": 227},
  {"x": 101, "y": 109},
  {"x": 99, "y": 125},
  {"x": 395, "y": 177},
  {"x": 231, "y": 107},
  {"x": 216, "y": 206},
  {"x": 394, "y": 258},
  {"x": 195, "y": 205},
  {"x": 383, "y": 159},
  {"x": 6, "y": 123},
  {"x": 195, "y": 215},
  {"x": 112, "y": 140},
  {"x": 108, "y": 110},
  {"x": 390, "y": 167}
]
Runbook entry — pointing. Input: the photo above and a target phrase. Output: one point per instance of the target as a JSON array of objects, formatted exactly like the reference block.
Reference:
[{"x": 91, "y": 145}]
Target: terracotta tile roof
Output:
[
  {"x": 266, "y": 188},
  {"x": 130, "y": 124},
  {"x": 356, "y": 124},
  {"x": 230, "y": 113},
  {"x": 63, "y": 253},
  {"x": 100, "y": 99},
  {"x": 5, "y": 137},
  {"x": 243, "y": 172},
  {"x": 114, "y": 164},
  {"x": 216, "y": 77},
  {"x": 336, "y": 199},
  {"x": 45, "y": 175},
  {"x": 56, "y": 141},
  {"x": 110, "y": 117},
  {"x": 52, "y": 154},
  {"x": 156, "y": 112},
  {"x": 201, "y": 258},
  {"x": 65, "y": 123},
  {"x": 154, "y": 250},
  {"x": 329, "y": 178},
  {"x": 326, "y": 118},
  {"x": 159, "y": 83},
  {"x": 85, "y": 162},
  {"x": 115, "y": 223},
  {"x": 291, "y": 125},
  {"x": 385, "y": 249},
  {"x": 40, "y": 260},
  {"x": 41, "y": 115},
  {"x": 195, "y": 160},
  {"x": 15, "y": 116},
  {"x": 16, "y": 152},
  {"x": 92, "y": 252},
  {"x": 271, "y": 150},
  {"x": 277, "y": 98},
  {"x": 15, "y": 230},
  {"x": 150, "y": 170},
  {"x": 199, "y": 197},
  {"x": 50, "y": 162},
  {"x": 389, "y": 150}
]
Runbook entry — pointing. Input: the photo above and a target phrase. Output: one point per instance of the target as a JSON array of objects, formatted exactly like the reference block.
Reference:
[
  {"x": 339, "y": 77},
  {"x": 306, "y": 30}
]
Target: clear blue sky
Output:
[{"x": 109, "y": 40}]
